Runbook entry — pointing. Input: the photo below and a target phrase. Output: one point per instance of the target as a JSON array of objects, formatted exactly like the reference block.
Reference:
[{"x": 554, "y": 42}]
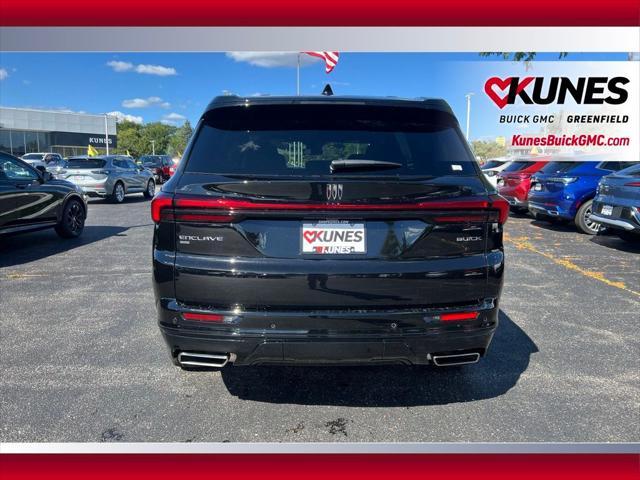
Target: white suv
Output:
[
  {"x": 493, "y": 167},
  {"x": 42, "y": 159}
]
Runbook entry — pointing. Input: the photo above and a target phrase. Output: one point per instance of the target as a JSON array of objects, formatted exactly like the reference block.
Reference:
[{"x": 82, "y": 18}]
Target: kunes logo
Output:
[{"x": 545, "y": 91}]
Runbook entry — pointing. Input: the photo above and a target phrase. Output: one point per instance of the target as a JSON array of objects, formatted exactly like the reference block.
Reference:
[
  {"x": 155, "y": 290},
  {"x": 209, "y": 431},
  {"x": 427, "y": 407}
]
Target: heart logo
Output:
[
  {"x": 310, "y": 236},
  {"x": 503, "y": 85}
]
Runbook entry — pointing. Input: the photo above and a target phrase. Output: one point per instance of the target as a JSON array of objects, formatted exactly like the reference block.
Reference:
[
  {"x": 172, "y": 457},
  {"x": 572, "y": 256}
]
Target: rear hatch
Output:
[
  {"x": 335, "y": 207},
  {"x": 84, "y": 170},
  {"x": 619, "y": 194},
  {"x": 554, "y": 177},
  {"x": 624, "y": 186}
]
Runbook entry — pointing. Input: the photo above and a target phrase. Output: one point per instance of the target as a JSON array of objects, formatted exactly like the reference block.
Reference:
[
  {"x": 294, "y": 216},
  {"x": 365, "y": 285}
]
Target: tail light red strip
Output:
[
  {"x": 203, "y": 317},
  {"x": 452, "y": 317},
  {"x": 162, "y": 201}
]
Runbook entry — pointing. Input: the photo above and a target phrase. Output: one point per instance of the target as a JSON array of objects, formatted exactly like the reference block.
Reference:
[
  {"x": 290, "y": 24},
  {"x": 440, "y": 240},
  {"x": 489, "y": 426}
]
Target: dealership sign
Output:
[
  {"x": 81, "y": 139},
  {"x": 555, "y": 90}
]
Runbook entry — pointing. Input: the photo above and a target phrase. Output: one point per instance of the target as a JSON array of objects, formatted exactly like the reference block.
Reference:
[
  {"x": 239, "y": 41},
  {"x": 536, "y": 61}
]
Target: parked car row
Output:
[
  {"x": 584, "y": 189},
  {"x": 162, "y": 166},
  {"x": 33, "y": 197}
]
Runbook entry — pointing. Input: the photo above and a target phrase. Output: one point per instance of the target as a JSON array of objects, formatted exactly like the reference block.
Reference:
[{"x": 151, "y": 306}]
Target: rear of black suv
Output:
[{"x": 327, "y": 230}]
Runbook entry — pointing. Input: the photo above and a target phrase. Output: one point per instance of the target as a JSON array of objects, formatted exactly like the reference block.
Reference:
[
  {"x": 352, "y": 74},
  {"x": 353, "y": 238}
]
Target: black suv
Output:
[
  {"x": 31, "y": 199},
  {"x": 327, "y": 230}
]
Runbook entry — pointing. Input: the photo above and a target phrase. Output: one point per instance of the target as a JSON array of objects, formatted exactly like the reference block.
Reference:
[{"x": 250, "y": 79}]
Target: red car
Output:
[
  {"x": 514, "y": 182},
  {"x": 161, "y": 165}
]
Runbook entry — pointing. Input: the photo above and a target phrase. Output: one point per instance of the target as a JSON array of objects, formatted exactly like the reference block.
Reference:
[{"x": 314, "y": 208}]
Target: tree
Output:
[
  {"x": 160, "y": 134},
  {"x": 180, "y": 138},
  {"x": 526, "y": 57},
  {"x": 130, "y": 138},
  {"x": 484, "y": 150}
]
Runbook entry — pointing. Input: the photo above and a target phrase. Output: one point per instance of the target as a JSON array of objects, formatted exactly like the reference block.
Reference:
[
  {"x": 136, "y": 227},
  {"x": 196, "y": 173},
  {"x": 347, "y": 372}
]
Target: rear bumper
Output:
[
  {"x": 94, "y": 192},
  {"x": 345, "y": 338},
  {"x": 553, "y": 210},
  {"x": 622, "y": 217},
  {"x": 515, "y": 202}
]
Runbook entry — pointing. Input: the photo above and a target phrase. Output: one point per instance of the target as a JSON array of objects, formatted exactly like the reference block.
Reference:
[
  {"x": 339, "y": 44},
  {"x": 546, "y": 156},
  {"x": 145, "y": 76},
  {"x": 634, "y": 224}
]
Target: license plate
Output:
[
  {"x": 537, "y": 187},
  {"x": 606, "y": 210},
  {"x": 333, "y": 238}
]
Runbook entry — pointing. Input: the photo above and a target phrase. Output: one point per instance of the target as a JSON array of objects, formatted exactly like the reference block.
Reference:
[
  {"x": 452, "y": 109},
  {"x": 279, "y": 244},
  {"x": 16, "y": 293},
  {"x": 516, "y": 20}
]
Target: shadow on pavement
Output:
[
  {"x": 28, "y": 247},
  {"x": 615, "y": 242},
  {"x": 391, "y": 386},
  {"x": 557, "y": 226},
  {"x": 133, "y": 198}
]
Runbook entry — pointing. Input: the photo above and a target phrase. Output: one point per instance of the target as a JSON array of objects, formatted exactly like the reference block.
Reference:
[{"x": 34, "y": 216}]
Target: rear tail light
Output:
[
  {"x": 632, "y": 184},
  {"x": 454, "y": 317},
  {"x": 159, "y": 203},
  {"x": 227, "y": 210},
  {"x": 203, "y": 317},
  {"x": 564, "y": 180}
]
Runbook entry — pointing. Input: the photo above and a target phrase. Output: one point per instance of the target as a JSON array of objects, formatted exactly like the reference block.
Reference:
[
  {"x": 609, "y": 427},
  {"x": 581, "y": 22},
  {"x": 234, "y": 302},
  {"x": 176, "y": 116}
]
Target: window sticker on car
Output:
[
  {"x": 456, "y": 167},
  {"x": 333, "y": 238}
]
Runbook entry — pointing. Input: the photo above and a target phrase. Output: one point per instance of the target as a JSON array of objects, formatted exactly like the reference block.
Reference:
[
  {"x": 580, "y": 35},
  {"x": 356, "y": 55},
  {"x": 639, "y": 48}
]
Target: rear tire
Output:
[
  {"x": 117, "y": 196},
  {"x": 582, "y": 219},
  {"x": 71, "y": 224},
  {"x": 150, "y": 191}
]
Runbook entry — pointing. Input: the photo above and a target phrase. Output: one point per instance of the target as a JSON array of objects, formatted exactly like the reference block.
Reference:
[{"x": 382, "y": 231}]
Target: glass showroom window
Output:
[
  {"x": 5, "y": 141},
  {"x": 31, "y": 142},
  {"x": 17, "y": 142}
]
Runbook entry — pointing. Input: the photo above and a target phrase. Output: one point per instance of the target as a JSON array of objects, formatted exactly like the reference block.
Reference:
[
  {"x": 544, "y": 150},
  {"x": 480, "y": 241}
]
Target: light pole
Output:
[
  {"x": 468, "y": 96},
  {"x": 106, "y": 132},
  {"x": 153, "y": 146}
]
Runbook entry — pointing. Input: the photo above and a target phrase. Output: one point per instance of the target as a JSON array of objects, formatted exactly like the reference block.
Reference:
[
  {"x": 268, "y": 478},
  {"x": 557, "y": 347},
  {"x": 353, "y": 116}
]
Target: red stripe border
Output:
[
  {"x": 321, "y": 13},
  {"x": 320, "y": 466}
]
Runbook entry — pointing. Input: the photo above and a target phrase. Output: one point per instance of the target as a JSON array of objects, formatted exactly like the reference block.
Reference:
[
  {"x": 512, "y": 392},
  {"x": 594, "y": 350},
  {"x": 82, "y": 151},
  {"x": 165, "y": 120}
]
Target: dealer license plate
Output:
[
  {"x": 606, "y": 210},
  {"x": 333, "y": 238}
]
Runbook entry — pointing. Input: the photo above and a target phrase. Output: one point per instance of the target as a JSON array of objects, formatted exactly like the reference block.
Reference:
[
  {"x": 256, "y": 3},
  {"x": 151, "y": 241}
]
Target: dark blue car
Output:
[
  {"x": 565, "y": 188},
  {"x": 617, "y": 204}
]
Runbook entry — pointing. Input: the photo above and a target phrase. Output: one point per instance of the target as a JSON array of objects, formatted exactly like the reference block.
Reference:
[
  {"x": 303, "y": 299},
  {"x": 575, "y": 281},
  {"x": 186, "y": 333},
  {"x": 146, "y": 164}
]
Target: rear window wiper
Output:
[{"x": 362, "y": 164}]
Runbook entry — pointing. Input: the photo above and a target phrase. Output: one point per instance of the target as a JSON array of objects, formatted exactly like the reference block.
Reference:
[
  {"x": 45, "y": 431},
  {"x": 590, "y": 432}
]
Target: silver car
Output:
[{"x": 110, "y": 176}]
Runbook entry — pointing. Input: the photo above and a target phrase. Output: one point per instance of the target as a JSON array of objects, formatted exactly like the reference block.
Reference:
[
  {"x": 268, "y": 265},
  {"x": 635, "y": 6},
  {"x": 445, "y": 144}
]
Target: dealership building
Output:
[{"x": 24, "y": 130}]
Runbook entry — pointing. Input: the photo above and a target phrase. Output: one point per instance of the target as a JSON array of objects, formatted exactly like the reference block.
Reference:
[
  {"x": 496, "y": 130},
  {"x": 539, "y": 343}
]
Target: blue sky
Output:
[{"x": 171, "y": 87}]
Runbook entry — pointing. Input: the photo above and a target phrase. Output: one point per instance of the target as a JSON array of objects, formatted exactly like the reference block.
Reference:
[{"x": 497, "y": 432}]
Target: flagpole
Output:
[
  {"x": 106, "y": 132},
  {"x": 298, "y": 76}
]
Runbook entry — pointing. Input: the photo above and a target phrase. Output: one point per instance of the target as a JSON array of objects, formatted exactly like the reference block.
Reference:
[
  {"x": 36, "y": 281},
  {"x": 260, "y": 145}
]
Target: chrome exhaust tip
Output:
[
  {"x": 456, "y": 359},
  {"x": 211, "y": 360}
]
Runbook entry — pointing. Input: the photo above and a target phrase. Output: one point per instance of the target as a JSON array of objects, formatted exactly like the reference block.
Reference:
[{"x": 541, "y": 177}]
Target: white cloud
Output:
[
  {"x": 156, "y": 70},
  {"x": 120, "y": 66},
  {"x": 3, "y": 73},
  {"x": 173, "y": 118},
  {"x": 145, "y": 102},
  {"x": 272, "y": 59},
  {"x": 121, "y": 117}
]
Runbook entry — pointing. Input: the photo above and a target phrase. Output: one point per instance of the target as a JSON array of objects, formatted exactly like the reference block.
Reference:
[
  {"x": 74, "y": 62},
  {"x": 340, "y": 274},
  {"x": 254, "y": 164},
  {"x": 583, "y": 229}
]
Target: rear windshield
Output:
[
  {"x": 33, "y": 156},
  {"x": 303, "y": 140},
  {"x": 86, "y": 163},
  {"x": 517, "y": 166},
  {"x": 559, "y": 167},
  {"x": 633, "y": 171},
  {"x": 155, "y": 161},
  {"x": 492, "y": 164}
]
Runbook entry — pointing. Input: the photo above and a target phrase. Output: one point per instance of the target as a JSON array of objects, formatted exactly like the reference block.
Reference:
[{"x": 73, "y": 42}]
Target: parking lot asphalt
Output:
[{"x": 82, "y": 358}]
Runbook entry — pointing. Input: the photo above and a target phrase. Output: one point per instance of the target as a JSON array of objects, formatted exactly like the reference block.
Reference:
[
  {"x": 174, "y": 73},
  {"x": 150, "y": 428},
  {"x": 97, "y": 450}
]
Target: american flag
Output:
[{"x": 330, "y": 58}]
